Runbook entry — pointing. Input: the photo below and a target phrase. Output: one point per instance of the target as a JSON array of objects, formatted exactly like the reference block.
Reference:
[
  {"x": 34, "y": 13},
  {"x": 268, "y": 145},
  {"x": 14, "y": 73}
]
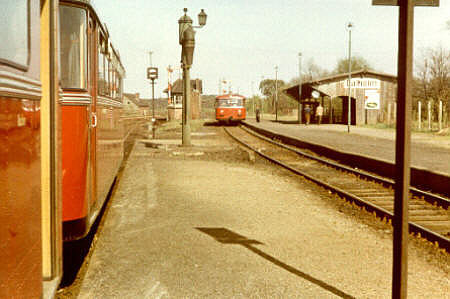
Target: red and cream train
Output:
[
  {"x": 62, "y": 135},
  {"x": 230, "y": 108}
]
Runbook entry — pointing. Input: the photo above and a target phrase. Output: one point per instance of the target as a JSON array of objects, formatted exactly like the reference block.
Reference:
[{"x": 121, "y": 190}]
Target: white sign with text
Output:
[
  {"x": 365, "y": 83},
  {"x": 371, "y": 100}
]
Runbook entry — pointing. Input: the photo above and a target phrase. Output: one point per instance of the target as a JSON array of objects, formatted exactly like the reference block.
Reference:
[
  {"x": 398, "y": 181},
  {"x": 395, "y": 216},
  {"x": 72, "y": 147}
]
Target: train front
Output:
[{"x": 230, "y": 108}]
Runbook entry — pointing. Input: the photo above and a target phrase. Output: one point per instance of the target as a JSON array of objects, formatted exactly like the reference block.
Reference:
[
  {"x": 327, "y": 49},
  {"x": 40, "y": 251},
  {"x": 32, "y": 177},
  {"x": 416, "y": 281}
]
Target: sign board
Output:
[
  {"x": 152, "y": 73},
  {"x": 315, "y": 94},
  {"x": 416, "y": 2},
  {"x": 372, "y": 100},
  {"x": 365, "y": 83}
]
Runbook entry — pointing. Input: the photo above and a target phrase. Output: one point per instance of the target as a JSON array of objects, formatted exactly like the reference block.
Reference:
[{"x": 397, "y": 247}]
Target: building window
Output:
[
  {"x": 73, "y": 47},
  {"x": 14, "y": 35}
]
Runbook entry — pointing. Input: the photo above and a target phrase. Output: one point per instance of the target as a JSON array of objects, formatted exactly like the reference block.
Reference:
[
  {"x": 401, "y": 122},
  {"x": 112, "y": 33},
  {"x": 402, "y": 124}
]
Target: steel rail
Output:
[
  {"x": 415, "y": 228},
  {"x": 427, "y": 196}
]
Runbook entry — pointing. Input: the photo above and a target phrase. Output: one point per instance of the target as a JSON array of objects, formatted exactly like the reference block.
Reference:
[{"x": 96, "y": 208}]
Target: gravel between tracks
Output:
[{"x": 314, "y": 245}]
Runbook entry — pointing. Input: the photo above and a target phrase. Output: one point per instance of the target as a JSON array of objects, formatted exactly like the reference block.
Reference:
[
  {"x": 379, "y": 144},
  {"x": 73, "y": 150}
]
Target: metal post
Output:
[
  {"x": 153, "y": 109},
  {"x": 299, "y": 112},
  {"x": 349, "y": 76},
  {"x": 403, "y": 149},
  {"x": 253, "y": 98},
  {"x": 276, "y": 93},
  {"x": 331, "y": 110},
  {"x": 429, "y": 115},
  {"x": 419, "y": 117},
  {"x": 150, "y": 53},
  {"x": 186, "y": 130}
]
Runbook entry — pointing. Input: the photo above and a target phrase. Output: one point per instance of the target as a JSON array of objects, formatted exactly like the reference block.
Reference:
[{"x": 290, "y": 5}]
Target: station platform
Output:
[
  {"x": 207, "y": 222},
  {"x": 428, "y": 151}
]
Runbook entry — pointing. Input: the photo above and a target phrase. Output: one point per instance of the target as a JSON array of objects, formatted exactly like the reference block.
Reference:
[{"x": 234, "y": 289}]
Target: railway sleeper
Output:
[
  {"x": 421, "y": 206},
  {"x": 375, "y": 195},
  {"x": 366, "y": 190},
  {"x": 429, "y": 218},
  {"x": 425, "y": 212},
  {"x": 380, "y": 197}
]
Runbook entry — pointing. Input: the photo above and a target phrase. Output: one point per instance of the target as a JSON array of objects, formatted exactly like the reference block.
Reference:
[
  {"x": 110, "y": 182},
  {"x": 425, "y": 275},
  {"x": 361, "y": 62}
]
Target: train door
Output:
[{"x": 92, "y": 48}]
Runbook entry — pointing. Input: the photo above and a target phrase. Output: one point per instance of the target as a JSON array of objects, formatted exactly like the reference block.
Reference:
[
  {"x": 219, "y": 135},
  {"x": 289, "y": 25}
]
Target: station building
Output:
[
  {"x": 373, "y": 97},
  {"x": 175, "y": 99}
]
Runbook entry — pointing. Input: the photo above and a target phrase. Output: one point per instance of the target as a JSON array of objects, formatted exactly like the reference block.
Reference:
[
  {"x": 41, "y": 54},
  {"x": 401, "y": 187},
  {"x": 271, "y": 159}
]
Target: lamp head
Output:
[
  {"x": 349, "y": 26},
  {"x": 184, "y": 22},
  {"x": 202, "y": 18}
]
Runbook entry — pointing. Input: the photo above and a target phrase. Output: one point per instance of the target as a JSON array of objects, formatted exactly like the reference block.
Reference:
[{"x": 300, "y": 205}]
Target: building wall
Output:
[
  {"x": 386, "y": 88},
  {"x": 174, "y": 113}
]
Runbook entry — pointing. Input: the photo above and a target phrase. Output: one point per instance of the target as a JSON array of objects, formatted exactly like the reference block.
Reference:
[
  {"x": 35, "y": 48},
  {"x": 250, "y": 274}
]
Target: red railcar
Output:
[
  {"x": 20, "y": 164},
  {"x": 92, "y": 133},
  {"x": 60, "y": 144},
  {"x": 230, "y": 108}
]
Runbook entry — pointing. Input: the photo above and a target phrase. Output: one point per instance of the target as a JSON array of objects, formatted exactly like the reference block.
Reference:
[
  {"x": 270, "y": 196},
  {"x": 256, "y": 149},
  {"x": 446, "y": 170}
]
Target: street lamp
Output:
[
  {"x": 152, "y": 74},
  {"x": 186, "y": 39},
  {"x": 276, "y": 93},
  {"x": 349, "y": 28},
  {"x": 299, "y": 112}
]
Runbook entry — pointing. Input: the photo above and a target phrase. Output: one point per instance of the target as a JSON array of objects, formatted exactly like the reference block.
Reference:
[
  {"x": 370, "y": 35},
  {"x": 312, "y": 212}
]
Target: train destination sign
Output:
[{"x": 416, "y": 2}]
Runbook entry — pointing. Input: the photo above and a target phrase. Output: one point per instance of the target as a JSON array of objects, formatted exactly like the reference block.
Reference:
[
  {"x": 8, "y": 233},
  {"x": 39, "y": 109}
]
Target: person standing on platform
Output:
[
  {"x": 319, "y": 114},
  {"x": 307, "y": 114}
]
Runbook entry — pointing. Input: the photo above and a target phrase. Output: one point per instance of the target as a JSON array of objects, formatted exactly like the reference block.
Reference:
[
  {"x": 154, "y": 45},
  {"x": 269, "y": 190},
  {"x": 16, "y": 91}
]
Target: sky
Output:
[{"x": 244, "y": 40}]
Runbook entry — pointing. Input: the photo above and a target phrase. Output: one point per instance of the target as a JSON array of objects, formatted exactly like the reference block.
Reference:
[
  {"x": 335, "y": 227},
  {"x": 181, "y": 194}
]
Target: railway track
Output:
[{"x": 429, "y": 216}]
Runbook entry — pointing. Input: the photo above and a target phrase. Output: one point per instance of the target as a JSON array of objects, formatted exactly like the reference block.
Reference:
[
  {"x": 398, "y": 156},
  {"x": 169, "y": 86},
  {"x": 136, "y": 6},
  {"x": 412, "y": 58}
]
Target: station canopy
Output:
[{"x": 308, "y": 91}]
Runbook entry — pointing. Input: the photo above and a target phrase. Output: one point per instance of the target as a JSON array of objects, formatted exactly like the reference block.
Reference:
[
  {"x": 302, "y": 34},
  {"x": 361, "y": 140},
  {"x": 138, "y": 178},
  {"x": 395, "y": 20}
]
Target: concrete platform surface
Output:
[
  {"x": 428, "y": 151},
  {"x": 187, "y": 227}
]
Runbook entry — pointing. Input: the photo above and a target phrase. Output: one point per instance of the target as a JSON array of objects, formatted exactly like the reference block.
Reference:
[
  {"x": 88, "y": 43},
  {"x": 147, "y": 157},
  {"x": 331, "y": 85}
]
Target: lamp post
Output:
[
  {"x": 300, "y": 88},
  {"x": 349, "y": 28},
  {"x": 152, "y": 74},
  {"x": 276, "y": 93},
  {"x": 186, "y": 39}
]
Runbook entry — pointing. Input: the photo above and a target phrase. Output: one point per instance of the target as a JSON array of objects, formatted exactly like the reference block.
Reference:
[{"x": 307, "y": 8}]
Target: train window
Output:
[
  {"x": 14, "y": 34},
  {"x": 102, "y": 80},
  {"x": 73, "y": 47},
  {"x": 232, "y": 102}
]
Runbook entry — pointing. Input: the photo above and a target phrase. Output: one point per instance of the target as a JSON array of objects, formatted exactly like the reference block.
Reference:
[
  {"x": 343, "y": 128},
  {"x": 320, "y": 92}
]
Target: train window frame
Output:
[
  {"x": 16, "y": 64},
  {"x": 86, "y": 80},
  {"x": 102, "y": 53}
]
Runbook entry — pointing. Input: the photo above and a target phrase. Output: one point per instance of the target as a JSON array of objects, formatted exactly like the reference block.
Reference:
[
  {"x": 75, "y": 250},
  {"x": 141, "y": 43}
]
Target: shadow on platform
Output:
[{"x": 226, "y": 236}]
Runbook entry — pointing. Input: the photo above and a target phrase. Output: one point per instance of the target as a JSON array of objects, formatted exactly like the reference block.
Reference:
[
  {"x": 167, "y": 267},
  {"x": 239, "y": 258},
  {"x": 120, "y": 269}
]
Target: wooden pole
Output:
[{"x": 403, "y": 149}]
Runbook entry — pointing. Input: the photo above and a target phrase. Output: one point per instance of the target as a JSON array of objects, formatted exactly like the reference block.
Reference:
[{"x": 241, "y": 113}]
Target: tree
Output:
[
  {"x": 358, "y": 63},
  {"x": 311, "y": 71},
  {"x": 432, "y": 78},
  {"x": 267, "y": 88}
]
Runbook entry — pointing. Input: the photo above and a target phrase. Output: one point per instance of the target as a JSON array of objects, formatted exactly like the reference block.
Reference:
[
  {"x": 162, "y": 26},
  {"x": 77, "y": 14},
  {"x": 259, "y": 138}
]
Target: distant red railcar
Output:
[{"x": 230, "y": 108}]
